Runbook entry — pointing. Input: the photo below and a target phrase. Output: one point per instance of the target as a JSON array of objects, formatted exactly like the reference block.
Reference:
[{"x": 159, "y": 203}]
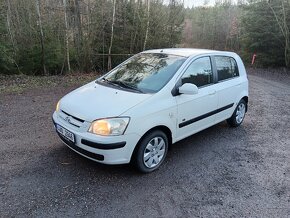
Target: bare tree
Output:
[
  {"x": 148, "y": 24},
  {"x": 79, "y": 25},
  {"x": 283, "y": 26},
  {"x": 134, "y": 33},
  {"x": 8, "y": 19},
  {"x": 112, "y": 36},
  {"x": 70, "y": 31},
  {"x": 39, "y": 23},
  {"x": 66, "y": 36}
]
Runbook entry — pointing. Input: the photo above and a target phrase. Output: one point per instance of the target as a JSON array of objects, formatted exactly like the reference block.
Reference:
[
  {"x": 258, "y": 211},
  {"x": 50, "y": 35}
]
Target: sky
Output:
[{"x": 190, "y": 3}]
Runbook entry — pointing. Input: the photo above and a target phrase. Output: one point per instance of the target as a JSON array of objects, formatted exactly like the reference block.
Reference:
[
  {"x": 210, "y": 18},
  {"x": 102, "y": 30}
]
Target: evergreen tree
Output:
[{"x": 261, "y": 34}]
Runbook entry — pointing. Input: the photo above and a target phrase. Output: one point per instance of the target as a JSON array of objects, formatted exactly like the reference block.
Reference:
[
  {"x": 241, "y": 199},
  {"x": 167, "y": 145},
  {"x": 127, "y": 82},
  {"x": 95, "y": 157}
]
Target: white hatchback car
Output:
[{"x": 152, "y": 100}]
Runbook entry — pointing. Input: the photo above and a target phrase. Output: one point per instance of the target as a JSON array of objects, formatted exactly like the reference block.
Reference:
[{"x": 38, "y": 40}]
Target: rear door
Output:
[
  {"x": 196, "y": 112},
  {"x": 228, "y": 85}
]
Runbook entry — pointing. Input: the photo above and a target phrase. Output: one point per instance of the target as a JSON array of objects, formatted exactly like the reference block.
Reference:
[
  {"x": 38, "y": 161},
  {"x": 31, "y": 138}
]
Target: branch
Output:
[{"x": 277, "y": 19}]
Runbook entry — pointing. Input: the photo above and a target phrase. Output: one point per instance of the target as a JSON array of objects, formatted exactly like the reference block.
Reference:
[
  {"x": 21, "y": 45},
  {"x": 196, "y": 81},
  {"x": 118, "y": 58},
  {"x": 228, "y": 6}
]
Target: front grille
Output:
[
  {"x": 72, "y": 120},
  {"x": 73, "y": 116}
]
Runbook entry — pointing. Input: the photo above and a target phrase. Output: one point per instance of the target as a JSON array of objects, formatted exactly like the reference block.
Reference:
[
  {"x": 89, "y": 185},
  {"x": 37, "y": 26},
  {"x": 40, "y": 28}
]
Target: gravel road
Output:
[{"x": 219, "y": 172}]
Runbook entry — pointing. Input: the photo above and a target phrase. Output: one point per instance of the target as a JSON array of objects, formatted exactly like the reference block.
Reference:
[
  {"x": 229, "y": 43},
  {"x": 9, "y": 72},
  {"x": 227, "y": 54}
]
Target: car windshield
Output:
[{"x": 146, "y": 73}]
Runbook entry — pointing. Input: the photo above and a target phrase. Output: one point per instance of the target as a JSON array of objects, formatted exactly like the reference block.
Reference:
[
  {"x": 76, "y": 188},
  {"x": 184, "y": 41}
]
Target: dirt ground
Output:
[{"x": 219, "y": 172}]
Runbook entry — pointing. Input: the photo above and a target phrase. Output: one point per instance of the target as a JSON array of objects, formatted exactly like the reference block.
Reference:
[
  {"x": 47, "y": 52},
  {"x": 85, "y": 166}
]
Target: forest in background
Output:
[{"x": 50, "y": 37}]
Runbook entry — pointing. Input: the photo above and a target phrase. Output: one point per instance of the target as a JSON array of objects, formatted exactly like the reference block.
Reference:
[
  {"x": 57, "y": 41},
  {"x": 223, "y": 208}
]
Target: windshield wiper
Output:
[
  {"x": 111, "y": 82},
  {"x": 121, "y": 84},
  {"x": 106, "y": 80},
  {"x": 127, "y": 86}
]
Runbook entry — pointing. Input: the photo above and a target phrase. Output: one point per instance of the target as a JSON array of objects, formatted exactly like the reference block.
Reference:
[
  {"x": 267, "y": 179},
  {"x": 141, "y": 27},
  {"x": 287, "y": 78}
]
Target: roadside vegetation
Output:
[
  {"x": 259, "y": 27},
  {"x": 57, "y": 37},
  {"x": 19, "y": 83}
]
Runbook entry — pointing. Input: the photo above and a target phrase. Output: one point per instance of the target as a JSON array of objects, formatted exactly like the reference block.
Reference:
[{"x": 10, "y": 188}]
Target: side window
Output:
[
  {"x": 226, "y": 67},
  {"x": 199, "y": 72}
]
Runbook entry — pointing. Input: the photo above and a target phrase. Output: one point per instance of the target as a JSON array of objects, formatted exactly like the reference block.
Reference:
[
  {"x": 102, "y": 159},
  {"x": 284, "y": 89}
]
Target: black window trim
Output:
[
  {"x": 184, "y": 70},
  {"x": 214, "y": 69},
  {"x": 178, "y": 82},
  {"x": 216, "y": 73}
]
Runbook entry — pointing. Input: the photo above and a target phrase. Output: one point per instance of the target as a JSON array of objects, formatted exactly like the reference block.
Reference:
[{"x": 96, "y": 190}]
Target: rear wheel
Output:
[
  {"x": 239, "y": 114},
  {"x": 151, "y": 151}
]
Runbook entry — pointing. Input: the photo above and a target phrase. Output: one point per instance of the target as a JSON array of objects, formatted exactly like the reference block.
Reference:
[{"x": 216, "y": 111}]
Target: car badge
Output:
[{"x": 68, "y": 119}]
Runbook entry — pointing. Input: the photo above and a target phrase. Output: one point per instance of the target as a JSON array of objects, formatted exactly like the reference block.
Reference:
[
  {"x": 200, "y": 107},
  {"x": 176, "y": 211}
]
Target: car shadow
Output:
[{"x": 187, "y": 148}]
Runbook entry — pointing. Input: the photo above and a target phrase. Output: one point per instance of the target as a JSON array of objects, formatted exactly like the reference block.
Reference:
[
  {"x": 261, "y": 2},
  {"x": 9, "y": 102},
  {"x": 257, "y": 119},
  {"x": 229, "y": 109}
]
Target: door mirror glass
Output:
[{"x": 188, "y": 88}]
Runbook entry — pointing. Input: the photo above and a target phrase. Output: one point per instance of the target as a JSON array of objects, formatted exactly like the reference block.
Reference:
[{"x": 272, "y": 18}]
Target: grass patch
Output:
[{"x": 20, "y": 83}]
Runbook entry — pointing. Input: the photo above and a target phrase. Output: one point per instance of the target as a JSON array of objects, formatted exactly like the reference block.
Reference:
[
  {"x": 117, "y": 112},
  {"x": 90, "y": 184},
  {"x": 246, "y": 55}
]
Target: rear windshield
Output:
[{"x": 146, "y": 73}]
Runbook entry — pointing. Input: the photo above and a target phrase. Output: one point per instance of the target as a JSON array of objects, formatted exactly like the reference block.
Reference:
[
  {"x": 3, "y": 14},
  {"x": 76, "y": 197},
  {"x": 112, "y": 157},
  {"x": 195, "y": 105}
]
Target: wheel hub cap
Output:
[
  {"x": 154, "y": 152},
  {"x": 240, "y": 113}
]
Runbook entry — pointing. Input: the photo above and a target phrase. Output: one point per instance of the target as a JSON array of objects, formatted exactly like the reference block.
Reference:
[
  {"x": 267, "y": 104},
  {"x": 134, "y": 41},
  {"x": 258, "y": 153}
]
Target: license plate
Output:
[{"x": 65, "y": 133}]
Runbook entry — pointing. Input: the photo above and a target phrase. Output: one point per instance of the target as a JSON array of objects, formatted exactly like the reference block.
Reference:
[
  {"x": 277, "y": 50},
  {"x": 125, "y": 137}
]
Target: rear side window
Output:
[
  {"x": 226, "y": 67},
  {"x": 199, "y": 72}
]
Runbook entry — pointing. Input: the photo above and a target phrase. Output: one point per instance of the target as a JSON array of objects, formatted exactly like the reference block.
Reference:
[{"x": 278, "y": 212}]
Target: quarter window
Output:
[
  {"x": 199, "y": 72},
  {"x": 226, "y": 67}
]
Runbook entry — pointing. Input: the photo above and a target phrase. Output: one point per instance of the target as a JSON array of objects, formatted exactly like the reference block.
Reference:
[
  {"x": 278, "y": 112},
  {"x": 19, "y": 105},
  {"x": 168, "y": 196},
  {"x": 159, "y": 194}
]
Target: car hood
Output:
[{"x": 94, "y": 101}]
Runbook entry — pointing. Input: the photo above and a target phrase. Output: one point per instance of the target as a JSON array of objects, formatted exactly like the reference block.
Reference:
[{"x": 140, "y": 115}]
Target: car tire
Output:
[
  {"x": 151, "y": 151},
  {"x": 239, "y": 114}
]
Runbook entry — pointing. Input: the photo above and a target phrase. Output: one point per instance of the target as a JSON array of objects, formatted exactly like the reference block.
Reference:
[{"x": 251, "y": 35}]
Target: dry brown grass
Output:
[{"x": 20, "y": 83}]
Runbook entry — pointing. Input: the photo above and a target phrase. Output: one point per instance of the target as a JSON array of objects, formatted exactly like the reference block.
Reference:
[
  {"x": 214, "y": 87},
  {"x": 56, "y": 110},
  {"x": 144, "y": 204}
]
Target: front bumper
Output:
[{"x": 103, "y": 149}]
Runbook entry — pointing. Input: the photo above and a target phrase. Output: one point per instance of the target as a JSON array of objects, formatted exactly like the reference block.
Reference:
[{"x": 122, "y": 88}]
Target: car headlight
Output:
[
  {"x": 110, "y": 126},
  {"x": 57, "y": 106}
]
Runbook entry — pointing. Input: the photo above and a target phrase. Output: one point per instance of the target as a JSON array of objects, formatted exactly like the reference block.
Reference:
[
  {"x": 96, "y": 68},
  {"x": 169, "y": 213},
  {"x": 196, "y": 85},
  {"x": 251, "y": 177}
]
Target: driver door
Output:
[{"x": 196, "y": 112}]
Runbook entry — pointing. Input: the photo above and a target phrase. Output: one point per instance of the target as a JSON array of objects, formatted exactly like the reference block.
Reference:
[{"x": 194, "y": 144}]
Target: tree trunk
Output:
[
  {"x": 11, "y": 35},
  {"x": 171, "y": 22},
  {"x": 79, "y": 34},
  {"x": 282, "y": 23},
  {"x": 66, "y": 37},
  {"x": 103, "y": 35},
  {"x": 287, "y": 36},
  {"x": 133, "y": 34},
  {"x": 287, "y": 54},
  {"x": 39, "y": 23},
  {"x": 112, "y": 36},
  {"x": 79, "y": 20},
  {"x": 136, "y": 27},
  {"x": 147, "y": 26}
]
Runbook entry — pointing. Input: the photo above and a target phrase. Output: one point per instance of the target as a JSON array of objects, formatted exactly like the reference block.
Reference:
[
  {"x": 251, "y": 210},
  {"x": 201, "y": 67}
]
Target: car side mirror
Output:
[{"x": 188, "y": 88}]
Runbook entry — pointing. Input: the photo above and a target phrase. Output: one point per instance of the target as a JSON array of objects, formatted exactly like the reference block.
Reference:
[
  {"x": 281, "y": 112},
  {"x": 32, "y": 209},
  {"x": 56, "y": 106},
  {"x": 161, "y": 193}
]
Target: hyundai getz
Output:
[{"x": 152, "y": 100}]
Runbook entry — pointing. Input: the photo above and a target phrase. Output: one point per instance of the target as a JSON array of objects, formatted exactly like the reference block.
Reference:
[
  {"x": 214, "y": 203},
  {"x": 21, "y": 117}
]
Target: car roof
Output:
[{"x": 186, "y": 52}]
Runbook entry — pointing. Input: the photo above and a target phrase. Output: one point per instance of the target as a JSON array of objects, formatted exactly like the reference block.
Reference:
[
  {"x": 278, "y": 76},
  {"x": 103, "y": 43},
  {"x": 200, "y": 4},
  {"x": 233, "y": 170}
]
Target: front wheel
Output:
[
  {"x": 239, "y": 114},
  {"x": 151, "y": 151}
]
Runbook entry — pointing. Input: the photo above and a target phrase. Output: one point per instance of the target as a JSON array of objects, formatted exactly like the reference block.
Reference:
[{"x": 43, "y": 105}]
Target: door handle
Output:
[{"x": 212, "y": 93}]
